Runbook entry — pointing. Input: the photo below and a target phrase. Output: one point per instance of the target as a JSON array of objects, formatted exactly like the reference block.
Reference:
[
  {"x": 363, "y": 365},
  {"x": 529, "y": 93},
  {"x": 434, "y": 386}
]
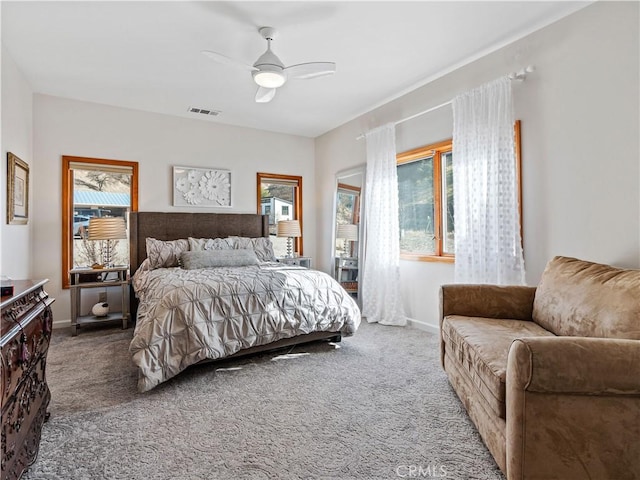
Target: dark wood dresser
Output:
[{"x": 26, "y": 331}]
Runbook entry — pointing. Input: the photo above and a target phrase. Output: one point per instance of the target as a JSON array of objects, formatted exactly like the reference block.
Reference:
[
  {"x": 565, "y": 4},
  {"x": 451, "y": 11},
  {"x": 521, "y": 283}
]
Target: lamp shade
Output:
[
  {"x": 348, "y": 231},
  {"x": 107, "y": 228},
  {"x": 288, "y": 228}
]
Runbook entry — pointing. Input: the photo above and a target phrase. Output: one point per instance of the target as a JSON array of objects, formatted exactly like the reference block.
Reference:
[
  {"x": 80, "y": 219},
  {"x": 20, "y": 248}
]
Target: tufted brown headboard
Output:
[{"x": 172, "y": 226}]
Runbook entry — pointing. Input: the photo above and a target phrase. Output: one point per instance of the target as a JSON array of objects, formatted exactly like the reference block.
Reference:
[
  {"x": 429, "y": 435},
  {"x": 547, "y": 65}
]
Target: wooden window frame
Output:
[
  {"x": 436, "y": 150},
  {"x": 67, "y": 203},
  {"x": 297, "y": 200}
]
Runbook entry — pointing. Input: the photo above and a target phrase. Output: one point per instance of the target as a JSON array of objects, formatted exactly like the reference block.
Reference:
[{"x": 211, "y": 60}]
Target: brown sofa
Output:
[{"x": 550, "y": 375}]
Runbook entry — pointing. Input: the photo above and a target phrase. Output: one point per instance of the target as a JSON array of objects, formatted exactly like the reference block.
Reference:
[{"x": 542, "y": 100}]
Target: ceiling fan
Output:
[{"x": 269, "y": 72}]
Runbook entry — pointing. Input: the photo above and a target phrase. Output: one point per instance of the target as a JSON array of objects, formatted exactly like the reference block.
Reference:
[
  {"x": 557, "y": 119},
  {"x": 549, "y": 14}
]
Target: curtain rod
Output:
[{"x": 520, "y": 75}]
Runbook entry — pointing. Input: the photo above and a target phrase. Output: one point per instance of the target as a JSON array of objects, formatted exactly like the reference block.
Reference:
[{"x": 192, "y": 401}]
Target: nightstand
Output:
[
  {"x": 83, "y": 278},
  {"x": 301, "y": 261},
  {"x": 347, "y": 274}
]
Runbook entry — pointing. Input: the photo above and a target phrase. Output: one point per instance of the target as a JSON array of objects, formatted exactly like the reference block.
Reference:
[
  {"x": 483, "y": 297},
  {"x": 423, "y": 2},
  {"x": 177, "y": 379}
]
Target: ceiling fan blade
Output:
[
  {"x": 310, "y": 70},
  {"x": 264, "y": 95},
  {"x": 220, "y": 58}
]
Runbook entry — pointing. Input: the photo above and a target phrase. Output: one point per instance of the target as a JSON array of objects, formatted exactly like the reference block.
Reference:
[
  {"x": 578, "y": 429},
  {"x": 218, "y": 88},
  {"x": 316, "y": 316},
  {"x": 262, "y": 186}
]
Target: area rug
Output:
[{"x": 375, "y": 406}]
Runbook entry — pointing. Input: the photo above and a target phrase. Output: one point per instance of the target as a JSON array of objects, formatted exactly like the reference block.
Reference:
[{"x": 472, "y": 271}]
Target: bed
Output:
[{"x": 187, "y": 314}]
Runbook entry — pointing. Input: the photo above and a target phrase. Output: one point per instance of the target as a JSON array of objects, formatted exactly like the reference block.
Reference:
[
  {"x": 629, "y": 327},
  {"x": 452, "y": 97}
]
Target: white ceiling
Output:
[{"x": 146, "y": 55}]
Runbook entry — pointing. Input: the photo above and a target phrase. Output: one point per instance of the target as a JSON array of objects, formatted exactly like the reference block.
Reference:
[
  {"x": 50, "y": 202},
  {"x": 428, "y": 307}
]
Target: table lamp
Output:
[
  {"x": 289, "y": 229},
  {"x": 107, "y": 229},
  {"x": 348, "y": 232}
]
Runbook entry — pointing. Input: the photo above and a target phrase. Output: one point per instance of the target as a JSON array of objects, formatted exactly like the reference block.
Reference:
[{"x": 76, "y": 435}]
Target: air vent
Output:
[{"x": 204, "y": 111}]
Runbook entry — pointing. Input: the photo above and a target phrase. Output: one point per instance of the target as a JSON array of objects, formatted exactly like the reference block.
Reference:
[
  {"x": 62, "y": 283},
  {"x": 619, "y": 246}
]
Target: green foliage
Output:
[
  {"x": 415, "y": 195},
  {"x": 284, "y": 192},
  {"x": 417, "y": 205},
  {"x": 448, "y": 161},
  {"x": 345, "y": 206}
]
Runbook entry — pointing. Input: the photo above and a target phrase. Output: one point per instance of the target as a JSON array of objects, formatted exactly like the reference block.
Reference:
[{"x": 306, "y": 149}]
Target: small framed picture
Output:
[
  {"x": 201, "y": 187},
  {"x": 17, "y": 191}
]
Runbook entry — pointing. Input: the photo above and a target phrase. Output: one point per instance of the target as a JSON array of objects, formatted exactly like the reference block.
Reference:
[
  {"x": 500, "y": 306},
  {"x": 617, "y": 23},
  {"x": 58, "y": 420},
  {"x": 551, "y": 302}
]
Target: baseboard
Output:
[
  {"x": 420, "y": 325},
  {"x": 61, "y": 324}
]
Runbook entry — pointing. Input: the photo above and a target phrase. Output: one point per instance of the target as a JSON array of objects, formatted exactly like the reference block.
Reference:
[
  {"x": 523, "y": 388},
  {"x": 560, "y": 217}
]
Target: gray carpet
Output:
[{"x": 373, "y": 408}]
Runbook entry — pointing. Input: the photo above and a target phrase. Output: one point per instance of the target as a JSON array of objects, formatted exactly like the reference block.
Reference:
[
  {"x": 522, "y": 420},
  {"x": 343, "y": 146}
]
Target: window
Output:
[
  {"x": 426, "y": 201},
  {"x": 425, "y": 194},
  {"x": 94, "y": 188},
  {"x": 283, "y": 195},
  {"x": 347, "y": 212},
  {"x": 348, "y": 204}
]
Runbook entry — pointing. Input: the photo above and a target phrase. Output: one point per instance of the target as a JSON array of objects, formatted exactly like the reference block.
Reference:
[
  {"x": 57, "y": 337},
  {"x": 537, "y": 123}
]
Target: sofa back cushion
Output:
[{"x": 585, "y": 299}]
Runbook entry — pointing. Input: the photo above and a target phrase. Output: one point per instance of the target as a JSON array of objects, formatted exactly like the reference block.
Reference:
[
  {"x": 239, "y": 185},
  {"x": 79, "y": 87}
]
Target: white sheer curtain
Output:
[
  {"x": 381, "y": 300},
  {"x": 488, "y": 248}
]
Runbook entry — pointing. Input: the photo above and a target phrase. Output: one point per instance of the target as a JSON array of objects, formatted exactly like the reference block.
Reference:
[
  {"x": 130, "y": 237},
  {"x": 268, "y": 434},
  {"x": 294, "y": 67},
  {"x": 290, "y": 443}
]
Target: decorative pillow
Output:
[
  {"x": 261, "y": 245},
  {"x": 163, "y": 254},
  {"x": 199, "y": 244},
  {"x": 218, "y": 258},
  {"x": 145, "y": 266}
]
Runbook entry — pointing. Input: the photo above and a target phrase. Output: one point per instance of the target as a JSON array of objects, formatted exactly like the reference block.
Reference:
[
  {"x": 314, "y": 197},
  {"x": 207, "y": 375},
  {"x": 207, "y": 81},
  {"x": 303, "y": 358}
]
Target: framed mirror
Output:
[{"x": 347, "y": 229}]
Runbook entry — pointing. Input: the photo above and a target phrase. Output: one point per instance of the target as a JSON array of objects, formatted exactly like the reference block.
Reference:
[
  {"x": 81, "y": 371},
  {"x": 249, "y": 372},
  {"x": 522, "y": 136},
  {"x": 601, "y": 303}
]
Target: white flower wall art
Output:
[{"x": 201, "y": 187}]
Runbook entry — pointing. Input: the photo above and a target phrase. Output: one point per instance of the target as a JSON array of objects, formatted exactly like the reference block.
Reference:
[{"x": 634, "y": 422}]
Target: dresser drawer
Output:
[
  {"x": 26, "y": 323},
  {"x": 28, "y": 340},
  {"x": 22, "y": 420}
]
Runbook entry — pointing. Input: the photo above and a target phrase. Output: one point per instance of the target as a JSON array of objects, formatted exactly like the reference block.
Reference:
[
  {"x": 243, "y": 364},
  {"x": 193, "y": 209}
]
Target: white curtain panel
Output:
[
  {"x": 381, "y": 301},
  {"x": 487, "y": 242}
]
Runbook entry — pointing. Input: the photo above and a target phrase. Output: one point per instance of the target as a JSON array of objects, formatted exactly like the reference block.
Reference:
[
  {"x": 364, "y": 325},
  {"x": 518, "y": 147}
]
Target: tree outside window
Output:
[
  {"x": 425, "y": 194},
  {"x": 426, "y": 200}
]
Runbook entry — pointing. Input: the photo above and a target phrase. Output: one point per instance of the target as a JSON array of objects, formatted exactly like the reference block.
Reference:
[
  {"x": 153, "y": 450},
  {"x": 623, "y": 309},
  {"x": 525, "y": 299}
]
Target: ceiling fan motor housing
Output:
[{"x": 270, "y": 73}]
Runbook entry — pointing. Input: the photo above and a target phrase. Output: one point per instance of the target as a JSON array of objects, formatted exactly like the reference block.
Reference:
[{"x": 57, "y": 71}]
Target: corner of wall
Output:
[{"x": 17, "y": 137}]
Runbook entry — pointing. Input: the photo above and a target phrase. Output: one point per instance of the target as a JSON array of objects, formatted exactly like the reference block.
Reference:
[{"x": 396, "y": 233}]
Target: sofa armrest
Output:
[
  {"x": 489, "y": 301},
  {"x": 573, "y": 408},
  {"x": 579, "y": 365}
]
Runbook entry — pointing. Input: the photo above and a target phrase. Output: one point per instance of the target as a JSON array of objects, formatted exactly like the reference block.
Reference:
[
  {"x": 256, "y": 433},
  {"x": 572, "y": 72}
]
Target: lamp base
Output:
[
  {"x": 107, "y": 259},
  {"x": 345, "y": 249}
]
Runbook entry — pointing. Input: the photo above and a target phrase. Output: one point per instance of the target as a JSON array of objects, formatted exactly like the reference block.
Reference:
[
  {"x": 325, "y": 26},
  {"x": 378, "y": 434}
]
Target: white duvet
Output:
[{"x": 185, "y": 316}]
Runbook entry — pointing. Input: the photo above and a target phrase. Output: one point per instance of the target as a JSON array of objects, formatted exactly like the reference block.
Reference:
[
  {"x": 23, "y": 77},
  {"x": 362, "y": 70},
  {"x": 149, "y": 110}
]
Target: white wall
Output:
[
  {"x": 580, "y": 139},
  {"x": 157, "y": 142},
  {"x": 17, "y": 122}
]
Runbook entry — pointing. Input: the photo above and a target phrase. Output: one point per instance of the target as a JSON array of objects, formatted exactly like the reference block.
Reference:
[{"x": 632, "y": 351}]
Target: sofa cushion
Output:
[
  {"x": 586, "y": 299},
  {"x": 481, "y": 346}
]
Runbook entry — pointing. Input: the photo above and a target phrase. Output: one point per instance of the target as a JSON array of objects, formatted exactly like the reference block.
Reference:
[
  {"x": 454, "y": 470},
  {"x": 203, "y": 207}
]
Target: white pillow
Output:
[
  {"x": 261, "y": 245},
  {"x": 217, "y": 258},
  {"x": 199, "y": 244},
  {"x": 163, "y": 254}
]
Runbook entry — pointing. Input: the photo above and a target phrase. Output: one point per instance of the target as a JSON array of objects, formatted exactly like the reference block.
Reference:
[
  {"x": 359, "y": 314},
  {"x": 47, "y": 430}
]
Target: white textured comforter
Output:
[{"x": 186, "y": 316}]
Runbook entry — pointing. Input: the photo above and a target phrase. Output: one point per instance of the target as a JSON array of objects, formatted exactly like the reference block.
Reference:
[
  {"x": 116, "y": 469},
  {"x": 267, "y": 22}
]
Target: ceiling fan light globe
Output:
[{"x": 269, "y": 79}]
